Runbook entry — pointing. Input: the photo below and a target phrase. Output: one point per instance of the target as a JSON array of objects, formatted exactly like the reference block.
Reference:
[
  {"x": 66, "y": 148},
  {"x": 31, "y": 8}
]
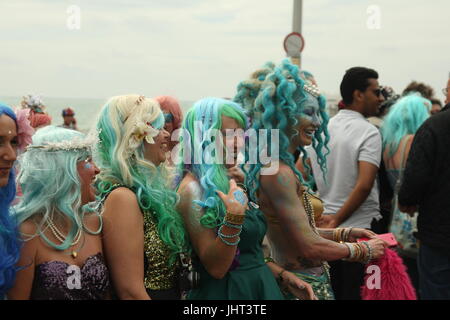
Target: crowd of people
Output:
[{"x": 154, "y": 204}]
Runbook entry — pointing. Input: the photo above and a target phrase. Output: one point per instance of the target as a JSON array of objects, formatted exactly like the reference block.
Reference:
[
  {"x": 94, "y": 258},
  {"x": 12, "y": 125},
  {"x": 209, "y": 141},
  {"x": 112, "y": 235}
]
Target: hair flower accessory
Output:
[
  {"x": 25, "y": 130},
  {"x": 142, "y": 130}
]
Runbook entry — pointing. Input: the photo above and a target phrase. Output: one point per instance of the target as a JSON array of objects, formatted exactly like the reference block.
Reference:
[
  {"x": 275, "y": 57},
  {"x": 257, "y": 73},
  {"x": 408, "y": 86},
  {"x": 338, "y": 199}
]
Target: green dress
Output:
[{"x": 252, "y": 279}]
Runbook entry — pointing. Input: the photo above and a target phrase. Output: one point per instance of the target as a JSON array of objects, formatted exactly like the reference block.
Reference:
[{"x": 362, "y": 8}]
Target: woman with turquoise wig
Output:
[
  {"x": 398, "y": 130},
  {"x": 62, "y": 256},
  {"x": 9, "y": 235},
  {"x": 143, "y": 234},
  {"x": 225, "y": 231},
  {"x": 287, "y": 99}
]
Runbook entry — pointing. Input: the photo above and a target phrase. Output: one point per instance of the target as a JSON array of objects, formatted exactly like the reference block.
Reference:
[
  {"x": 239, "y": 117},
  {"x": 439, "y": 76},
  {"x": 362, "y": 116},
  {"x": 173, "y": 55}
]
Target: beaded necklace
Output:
[
  {"x": 59, "y": 235},
  {"x": 310, "y": 213}
]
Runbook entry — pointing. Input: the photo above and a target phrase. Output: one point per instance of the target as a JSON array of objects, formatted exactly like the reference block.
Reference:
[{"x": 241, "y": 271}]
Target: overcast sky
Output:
[{"x": 197, "y": 48}]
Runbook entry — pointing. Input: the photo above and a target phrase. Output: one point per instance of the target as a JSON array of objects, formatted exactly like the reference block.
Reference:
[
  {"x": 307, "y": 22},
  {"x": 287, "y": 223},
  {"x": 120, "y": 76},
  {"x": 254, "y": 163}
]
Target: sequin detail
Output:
[
  {"x": 51, "y": 281},
  {"x": 159, "y": 274}
]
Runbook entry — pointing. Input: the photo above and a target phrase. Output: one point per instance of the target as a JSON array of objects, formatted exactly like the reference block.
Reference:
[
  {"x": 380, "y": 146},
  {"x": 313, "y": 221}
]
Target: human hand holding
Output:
[
  {"x": 357, "y": 233},
  {"x": 236, "y": 200},
  {"x": 299, "y": 288},
  {"x": 378, "y": 247}
]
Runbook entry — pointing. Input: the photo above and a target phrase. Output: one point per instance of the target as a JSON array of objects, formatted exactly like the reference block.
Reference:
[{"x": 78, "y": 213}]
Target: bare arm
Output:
[
  {"x": 123, "y": 243},
  {"x": 214, "y": 254},
  {"x": 25, "y": 276},
  {"x": 281, "y": 191}
]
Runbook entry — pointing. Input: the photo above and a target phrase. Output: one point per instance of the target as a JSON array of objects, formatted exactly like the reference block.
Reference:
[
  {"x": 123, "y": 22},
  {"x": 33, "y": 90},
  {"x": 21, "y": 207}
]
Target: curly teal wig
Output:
[{"x": 275, "y": 98}]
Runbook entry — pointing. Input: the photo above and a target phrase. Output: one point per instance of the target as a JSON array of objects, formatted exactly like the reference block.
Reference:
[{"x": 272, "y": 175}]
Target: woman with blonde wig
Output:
[{"x": 143, "y": 234}]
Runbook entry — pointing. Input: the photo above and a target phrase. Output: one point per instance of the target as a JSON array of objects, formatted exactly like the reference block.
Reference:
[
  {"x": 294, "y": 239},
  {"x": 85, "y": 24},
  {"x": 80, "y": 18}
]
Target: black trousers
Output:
[{"x": 348, "y": 277}]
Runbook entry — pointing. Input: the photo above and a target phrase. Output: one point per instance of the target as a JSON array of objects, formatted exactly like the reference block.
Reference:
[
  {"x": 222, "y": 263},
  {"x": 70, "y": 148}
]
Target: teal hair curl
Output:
[{"x": 275, "y": 98}]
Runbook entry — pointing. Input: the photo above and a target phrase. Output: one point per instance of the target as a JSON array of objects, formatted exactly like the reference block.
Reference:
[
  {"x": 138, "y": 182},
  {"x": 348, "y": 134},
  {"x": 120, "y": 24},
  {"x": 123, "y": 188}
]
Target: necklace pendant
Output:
[{"x": 74, "y": 254}]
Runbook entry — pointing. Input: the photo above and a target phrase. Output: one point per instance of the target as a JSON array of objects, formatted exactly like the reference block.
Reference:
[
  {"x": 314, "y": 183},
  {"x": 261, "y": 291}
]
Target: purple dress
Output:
[{"x": 58, "y": 280}]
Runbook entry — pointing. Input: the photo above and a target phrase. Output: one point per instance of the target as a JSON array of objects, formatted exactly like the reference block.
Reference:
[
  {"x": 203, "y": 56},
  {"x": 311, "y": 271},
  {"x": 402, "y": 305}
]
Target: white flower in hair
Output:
[{"x": 142, "y": 130}]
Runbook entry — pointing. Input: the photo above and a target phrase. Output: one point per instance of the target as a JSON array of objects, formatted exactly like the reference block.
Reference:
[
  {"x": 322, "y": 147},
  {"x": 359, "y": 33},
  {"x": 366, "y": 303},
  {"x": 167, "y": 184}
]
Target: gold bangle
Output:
[{"x": 234, "y": 218}]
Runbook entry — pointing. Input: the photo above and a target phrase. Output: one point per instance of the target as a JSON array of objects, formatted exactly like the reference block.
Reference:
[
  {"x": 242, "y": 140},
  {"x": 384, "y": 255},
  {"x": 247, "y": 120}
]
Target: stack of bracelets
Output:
[
  {"x": 357, "y": 251},
  {"x": 234, "y": 221},
  {"x": 341, "y": 234}
]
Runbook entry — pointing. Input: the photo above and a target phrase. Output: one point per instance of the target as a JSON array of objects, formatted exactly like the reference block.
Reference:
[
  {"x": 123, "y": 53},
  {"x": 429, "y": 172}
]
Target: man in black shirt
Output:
[{"x": 426, "y": 186}]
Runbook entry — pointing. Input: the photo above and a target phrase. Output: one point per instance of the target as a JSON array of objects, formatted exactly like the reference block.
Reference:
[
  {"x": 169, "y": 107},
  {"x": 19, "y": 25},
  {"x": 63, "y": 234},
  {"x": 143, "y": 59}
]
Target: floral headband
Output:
[{"x": 68, "y": 145}]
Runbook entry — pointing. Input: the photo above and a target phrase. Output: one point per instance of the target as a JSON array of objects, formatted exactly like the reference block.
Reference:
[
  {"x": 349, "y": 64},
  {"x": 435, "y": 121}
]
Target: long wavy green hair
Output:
[
  {"x": 201, "y": 119},
  {"x": 127, "y": 167}
]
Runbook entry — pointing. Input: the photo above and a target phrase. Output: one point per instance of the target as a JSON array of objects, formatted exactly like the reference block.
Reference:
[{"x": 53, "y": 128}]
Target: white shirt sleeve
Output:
[{"x": 371, "y": 147}]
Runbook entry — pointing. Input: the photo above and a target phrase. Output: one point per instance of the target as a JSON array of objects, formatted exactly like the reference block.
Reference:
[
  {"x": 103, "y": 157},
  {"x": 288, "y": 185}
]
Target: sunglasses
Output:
[{"x": 377, "y": 92}]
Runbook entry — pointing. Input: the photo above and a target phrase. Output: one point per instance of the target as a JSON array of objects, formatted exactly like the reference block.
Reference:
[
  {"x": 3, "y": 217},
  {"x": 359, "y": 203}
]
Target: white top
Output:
[{"x": 352, "y": 139}]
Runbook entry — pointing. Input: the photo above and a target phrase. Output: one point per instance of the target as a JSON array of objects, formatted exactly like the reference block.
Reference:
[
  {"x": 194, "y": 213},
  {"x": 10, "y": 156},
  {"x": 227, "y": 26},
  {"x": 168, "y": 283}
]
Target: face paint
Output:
[
  {"x": 87, "y": 164},
  {"x": 311, "y": 110}
]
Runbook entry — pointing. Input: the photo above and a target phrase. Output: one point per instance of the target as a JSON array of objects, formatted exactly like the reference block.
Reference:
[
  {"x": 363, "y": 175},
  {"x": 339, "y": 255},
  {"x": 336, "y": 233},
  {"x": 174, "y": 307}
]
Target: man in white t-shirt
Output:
[{"x": 350, "y": 192}]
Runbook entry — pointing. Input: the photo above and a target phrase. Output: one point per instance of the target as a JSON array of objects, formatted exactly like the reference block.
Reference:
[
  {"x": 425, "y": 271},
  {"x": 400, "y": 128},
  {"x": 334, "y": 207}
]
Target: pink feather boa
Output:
[{"x": 395, "y": 283}]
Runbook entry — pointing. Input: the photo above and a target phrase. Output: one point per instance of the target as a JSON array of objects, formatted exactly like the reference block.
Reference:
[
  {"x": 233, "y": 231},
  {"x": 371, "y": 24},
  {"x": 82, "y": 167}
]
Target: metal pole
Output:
[{"x": 297, "y": 25}]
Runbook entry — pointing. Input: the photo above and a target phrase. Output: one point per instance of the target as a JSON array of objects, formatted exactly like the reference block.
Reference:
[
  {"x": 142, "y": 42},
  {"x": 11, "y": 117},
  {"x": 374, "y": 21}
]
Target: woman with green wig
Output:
[
  {"x": 226, "y": 231},
  {"x": 143, "y": 235},
  {"x": 287, "y": 99}
]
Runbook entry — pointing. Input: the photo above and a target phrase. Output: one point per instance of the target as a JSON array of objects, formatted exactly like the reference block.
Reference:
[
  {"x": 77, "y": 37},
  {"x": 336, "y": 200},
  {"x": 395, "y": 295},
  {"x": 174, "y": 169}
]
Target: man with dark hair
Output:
[
  {"x": 425, "y": 90},
  {"x": 350, "y": 192}
]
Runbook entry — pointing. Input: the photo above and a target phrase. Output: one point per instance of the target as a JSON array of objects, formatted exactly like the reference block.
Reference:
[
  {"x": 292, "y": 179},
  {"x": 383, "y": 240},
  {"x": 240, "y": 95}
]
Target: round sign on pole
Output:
[{"x": 294, "y": 44}]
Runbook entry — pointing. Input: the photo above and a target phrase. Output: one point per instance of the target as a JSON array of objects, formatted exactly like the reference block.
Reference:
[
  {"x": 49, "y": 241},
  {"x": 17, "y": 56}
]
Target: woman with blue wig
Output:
[
  {"x": 226, "y": 233},
  {"x": 143, "y": 234},
  {"x": 398, "y": 130},
  {"x": 9, "y": 235},
  {"x": 286, "y": 99},
  {"x": 62, "y": 256}
]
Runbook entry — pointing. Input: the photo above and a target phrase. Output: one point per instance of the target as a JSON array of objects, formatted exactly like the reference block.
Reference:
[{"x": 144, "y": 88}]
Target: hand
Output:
[
  {"x": 236, "y": 200},
  {"x": 299, "y": 288},
  {"x": 357, "y": 233},
  {"x": 327, "y": 221},
  {"x": 237, "y": 174},
  {"x": 408, "y": 209},
  {"x": 378, "y": 247}
]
